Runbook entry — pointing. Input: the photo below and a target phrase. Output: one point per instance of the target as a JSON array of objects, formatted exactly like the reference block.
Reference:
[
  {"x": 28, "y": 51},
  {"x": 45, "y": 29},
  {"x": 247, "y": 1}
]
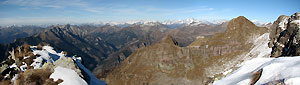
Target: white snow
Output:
[
  {"x": 14, "y": 78},
  {"x": 37, "y": 63},
  {"x": 23, "y": 67},
  {"x": 69, "y": 76},
  {"x": 150, "y": 24},
  {"x": 260, "y": 23},
  {"x": 13, "y": 65},
  {"x": 44, "y": 55},
  {"x": 93, "y": 79},
  {"x": 292, "y": 81},
  {"x": 47, "y": 53},
  {"x": 26, "y": 57},
  {"x": 286, "y": 68},
  {"x": 296, "y": 22},
  {"x": 49, "y": 49},
  {"x": 261, "y": 48},
  {"x": 283, "y": 23}
]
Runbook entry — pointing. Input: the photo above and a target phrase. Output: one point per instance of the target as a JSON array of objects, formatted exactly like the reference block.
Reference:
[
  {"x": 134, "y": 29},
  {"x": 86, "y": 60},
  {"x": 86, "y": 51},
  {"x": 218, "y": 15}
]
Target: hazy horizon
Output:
[{"x": 31, "y": 12}]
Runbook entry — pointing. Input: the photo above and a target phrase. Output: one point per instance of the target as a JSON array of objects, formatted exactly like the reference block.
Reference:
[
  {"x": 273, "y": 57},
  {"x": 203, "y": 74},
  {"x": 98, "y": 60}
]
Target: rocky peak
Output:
[
  {"x": 239, "y": 22},
  {"x": 169, "y": 40},
  {"x": 34, "y": 64},
  {"x": 241, "y": 18},
  {"x": 240, "y": 28},
  {"x": 296, "y": 16},
  {"x": 67, "y": 28},
  {"x": 285, "y": 36}
]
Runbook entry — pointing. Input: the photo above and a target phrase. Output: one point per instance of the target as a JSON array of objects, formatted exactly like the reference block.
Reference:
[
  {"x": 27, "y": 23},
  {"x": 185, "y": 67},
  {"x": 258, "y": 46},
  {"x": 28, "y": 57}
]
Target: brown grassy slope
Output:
[{"x": 166, "y": 63}]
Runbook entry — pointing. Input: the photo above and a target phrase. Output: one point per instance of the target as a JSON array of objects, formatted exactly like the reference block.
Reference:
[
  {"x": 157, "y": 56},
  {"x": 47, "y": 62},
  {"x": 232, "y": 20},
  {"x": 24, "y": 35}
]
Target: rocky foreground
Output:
[{"x": 42, "y": 65}]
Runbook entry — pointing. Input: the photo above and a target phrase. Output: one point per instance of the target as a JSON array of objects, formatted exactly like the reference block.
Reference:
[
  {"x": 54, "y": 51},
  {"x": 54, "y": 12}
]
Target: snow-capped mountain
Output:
[
  {"x": 169, "y": 23},
  {"x": 190, "y": 22},
  {"x": 260, "y": 23},
  {"x": 283, "y": 70},
  {"x": 193, "y": 20}
]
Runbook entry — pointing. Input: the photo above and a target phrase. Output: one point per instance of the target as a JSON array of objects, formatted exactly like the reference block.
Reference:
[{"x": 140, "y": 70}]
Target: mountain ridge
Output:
[{"x": 166, "y": 63}]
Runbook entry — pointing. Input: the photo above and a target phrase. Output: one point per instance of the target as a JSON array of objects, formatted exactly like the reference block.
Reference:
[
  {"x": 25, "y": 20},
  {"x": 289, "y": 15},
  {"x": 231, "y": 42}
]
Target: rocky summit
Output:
[
  {"x": 285, "y": 36},
  {"x": 42, "y": 65}
]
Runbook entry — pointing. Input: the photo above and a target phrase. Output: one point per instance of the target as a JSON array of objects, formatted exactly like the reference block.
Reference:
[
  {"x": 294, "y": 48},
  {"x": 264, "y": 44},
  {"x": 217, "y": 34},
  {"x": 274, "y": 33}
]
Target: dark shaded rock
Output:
[{"x": 256, "y": 76}]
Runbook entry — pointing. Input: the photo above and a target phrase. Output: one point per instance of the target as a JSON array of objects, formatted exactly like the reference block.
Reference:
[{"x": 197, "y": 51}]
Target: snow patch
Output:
[
  {"x": 261, "y": 48},
  {"x": 14, "y": 78},
  {"x": 25, "y": 57},
  {"x": 13, "y": 66},
  {"x": 286, "y": 68},
  {"x": 23, "y": 67},
  {"x": 93, "y": 79},
  {"x": 283, "y": 23},
  {"x": 64, "y": 66},
  {"x": 69, "y": 76},
  {"x": 296, "y": 22},
  {"x": 37, "y": 63},
  {"x": 292, "y": 81},
  {"x": 49, "y": 49}
]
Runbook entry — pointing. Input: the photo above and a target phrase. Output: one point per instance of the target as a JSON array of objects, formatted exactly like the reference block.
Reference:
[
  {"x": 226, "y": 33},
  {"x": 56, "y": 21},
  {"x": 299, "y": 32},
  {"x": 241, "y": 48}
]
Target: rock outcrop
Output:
[
  {"x": 35, "y": 64},
  {"x": 285, "y": 36}
]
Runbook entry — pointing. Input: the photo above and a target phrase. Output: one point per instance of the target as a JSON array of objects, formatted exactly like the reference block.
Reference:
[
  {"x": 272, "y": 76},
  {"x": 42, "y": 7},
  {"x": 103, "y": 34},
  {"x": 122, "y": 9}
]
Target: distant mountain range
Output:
[
  {"x": 177, "y": 50},
  {"x": 10, "y": 33},
  {"x": 107, "y": 46}
]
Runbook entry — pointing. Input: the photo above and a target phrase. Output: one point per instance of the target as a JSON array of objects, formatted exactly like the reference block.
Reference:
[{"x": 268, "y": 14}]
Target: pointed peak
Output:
[
  {"x": 241, "y": 18},
  {"x": 63, "y": 26},
  {"x": 241, "y": 28},
  {"x": 66, "y": 25},
  {"x": 169, "y": 39}
]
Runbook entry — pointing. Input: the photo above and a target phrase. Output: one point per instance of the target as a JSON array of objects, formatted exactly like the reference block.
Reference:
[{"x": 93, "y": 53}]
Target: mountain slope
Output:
[
  {"x": 281, "y": 70},
  {"x": 167, "y": 63},
  {"x": 105, "y": 47},
  {"x": 9, "y": 34},
  {"x": 65, "y": 37}
]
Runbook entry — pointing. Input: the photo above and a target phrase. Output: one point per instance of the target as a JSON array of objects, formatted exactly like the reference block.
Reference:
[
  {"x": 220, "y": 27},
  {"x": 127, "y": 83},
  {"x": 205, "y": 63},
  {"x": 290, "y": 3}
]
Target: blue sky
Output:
[{"x": 88, "y": 11}]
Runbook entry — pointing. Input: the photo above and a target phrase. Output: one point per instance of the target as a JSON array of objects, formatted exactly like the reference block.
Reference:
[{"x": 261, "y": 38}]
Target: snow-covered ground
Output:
[
  {"x": 47, "y": 53},
  {"x": 261, "y": 48},
  {"x": 64, "y": 67},
  {"x": 274, "y": 69},
  {"x": 94, "y": 80},
  {"x": 69, "y": 76}
]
